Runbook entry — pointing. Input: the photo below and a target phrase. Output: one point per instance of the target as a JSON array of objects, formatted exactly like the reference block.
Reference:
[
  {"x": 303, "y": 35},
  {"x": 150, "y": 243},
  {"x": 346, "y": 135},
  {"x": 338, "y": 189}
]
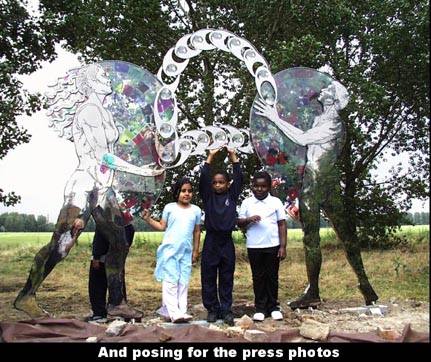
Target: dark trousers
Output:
[
  {"x": 218, "y": 261},
  {"x": 97, "y": 290},
  {"x": 264, "y": 265}
]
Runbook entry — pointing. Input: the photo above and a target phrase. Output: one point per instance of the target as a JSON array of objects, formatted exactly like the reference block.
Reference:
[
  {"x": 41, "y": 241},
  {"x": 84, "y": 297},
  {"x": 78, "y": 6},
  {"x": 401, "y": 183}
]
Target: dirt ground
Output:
[{"x": 330, "y": 313}]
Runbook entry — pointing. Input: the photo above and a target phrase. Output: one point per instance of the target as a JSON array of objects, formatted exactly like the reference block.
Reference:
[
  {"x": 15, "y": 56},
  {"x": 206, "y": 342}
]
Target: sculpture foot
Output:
[
  {"x": 125, "y": 311},
  {"x": 369, "y": 294},
  {"x": 305, "y": 301},
  {"x": 28, "y": 304}
]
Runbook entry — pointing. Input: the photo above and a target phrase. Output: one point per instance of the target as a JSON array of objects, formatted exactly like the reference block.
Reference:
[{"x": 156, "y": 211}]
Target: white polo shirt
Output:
[{"x": 263, "y": 234}]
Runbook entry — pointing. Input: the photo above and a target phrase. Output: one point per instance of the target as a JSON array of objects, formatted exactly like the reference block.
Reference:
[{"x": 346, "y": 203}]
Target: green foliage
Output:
[
  {"x": 378, "y": 49},
  {"x": 25, "y": 41},
  {"x": 15, "y": 222},
  {"x": 148, "y": 241},
  {"x": 398, "y": 265}
]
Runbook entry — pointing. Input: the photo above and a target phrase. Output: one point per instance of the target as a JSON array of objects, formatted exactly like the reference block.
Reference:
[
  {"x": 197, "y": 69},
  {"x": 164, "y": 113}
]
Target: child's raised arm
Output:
[
  {"x": 212, "y": 153},
  {"x": 232, "y": 155}
]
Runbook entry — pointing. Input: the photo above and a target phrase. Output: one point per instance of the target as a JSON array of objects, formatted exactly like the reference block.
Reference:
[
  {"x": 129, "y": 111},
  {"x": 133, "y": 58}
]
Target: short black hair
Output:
[
  {"x": 223, "y": 173},
  {"x": 263, "y": 174},
  {"x": 178, "y": 185}
]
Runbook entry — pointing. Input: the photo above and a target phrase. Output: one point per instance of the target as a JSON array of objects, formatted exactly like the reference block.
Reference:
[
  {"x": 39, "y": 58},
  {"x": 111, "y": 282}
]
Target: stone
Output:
[
  {"x": 314, "y": 330},
  {"x": 115, "y": 328},
  {"x": 245, "y": 322},
  {"x": 164, "y": 337},
  {"x": 388, "y": 334},
  {"x": 254, "y": 335}
]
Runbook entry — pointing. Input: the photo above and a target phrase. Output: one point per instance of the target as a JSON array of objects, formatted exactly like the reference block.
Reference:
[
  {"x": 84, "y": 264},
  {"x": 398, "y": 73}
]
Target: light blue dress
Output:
[{"x": 174, "y": 255}]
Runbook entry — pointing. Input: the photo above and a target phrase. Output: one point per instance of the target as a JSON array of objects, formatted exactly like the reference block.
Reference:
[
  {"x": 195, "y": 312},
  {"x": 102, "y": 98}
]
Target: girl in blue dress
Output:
[{"x": 179, "y": 249}]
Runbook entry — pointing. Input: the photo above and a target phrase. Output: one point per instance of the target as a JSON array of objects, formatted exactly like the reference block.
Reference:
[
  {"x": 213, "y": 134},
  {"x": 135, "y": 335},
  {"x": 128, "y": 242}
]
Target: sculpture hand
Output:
[{"x": 265, "y": 110}]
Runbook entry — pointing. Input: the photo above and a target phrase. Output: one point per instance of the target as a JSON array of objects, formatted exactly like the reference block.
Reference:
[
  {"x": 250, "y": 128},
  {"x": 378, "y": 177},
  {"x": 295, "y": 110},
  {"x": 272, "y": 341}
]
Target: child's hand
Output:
[
  {"x": 232, "y": 154},
  {"x": 95, "y": 264},
  {"x": 214, "y": 151},
  {"x": 255, "y": 218},
  {"x": 146, "y": 215},
  {"x": 195, "y": 257},
  {"x": 282, "y": 253},
  {"x": 77, "y": 227}
]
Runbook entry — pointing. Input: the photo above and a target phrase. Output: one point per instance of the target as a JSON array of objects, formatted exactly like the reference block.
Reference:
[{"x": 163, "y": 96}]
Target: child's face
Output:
[
  {"x": 220, "y": 184},
  {"x": 186, "y": 194},
  {"x": 260, "y": 188}
]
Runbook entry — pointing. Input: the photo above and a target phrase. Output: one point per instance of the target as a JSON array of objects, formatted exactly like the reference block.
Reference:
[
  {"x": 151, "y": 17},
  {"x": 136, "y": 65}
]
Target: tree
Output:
[
  {"x": 15, "y": 222},
  {"x": 24, "y": 42},
  {"x": 378, "y": 49}
]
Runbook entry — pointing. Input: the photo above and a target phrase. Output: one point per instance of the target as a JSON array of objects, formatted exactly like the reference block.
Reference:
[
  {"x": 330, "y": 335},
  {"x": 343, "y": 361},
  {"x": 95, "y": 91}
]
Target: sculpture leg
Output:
[
  {"x": 310, "y": 220},
  {"x": 345, "y": 228},
  {"x": 46, "y": 259},
  {"x": 110, "y": 223}
]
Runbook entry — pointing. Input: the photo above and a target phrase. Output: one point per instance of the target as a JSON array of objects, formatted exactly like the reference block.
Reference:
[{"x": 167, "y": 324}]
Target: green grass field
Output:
[
  {"x": 415, "y": 234},
  {"x": 397, "y": 273}
]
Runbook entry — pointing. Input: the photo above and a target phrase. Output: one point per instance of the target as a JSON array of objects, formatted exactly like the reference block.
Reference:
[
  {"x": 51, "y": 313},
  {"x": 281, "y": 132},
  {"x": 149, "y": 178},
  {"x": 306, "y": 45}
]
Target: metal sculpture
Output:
[
  {"x": 82, "y": 112},
  {"x": 310, "y": 134},
  {"x": 123, "y": 121}
]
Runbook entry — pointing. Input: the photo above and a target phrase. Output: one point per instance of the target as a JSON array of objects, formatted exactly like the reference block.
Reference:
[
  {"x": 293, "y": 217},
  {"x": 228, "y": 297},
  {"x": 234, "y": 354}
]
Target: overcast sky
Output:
[{"x": 38, "y": 170}]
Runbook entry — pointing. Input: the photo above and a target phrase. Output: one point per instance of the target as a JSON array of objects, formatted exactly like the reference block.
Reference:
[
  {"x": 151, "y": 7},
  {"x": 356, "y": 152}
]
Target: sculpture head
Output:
[
  {"x": 334, "y": 94},
  {"x": 92, "y": 78}
]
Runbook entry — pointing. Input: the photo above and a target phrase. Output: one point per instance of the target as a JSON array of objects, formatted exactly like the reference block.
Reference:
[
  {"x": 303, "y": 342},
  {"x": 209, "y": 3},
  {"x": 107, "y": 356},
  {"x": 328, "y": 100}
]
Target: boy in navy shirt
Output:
[{"x": 219, "y": 197}]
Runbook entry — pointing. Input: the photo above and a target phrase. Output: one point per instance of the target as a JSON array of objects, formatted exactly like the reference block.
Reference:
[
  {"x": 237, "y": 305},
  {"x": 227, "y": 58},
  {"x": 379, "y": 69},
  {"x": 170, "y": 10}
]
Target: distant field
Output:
[{"x": 414, "y": 233}]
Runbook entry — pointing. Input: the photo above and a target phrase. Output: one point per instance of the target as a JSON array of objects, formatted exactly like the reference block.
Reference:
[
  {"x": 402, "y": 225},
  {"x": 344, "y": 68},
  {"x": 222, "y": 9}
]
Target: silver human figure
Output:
[
  {"x": 321, "y": 189},
  {"x": 78, "y": 113}
]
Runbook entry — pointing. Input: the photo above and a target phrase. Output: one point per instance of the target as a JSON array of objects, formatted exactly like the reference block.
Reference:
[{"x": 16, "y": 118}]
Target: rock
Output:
[
  {"x": 91, "y": 339},
  {"x": 115, "y": 328},
  {"x": 214, "y": 327},
  {"x": 234, "y": 331},
  {"x": 164, "y": 337},
  {"x": 388, "y": 334},
  {"x": 254, "y": 335},
  {"x": 314, "y": 330},
  {"x": 245, "y": 322}
]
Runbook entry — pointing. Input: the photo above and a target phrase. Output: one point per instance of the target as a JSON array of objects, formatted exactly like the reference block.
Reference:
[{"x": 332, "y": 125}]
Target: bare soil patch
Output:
[{"x": 399, "y": 313}]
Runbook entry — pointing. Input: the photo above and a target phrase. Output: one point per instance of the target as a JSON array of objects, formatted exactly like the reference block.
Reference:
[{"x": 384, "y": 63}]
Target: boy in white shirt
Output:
[{"x": 264, "y": 218}]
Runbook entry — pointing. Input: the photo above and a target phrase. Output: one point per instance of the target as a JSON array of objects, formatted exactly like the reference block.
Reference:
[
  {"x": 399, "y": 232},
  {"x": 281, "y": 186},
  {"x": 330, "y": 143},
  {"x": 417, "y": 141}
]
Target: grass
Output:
[{"x": 398, "y": 273}]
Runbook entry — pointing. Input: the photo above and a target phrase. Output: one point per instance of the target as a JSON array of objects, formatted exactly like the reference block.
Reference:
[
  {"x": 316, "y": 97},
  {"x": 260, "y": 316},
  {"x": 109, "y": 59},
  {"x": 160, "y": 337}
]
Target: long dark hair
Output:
[{"x": 178, "y": 185}]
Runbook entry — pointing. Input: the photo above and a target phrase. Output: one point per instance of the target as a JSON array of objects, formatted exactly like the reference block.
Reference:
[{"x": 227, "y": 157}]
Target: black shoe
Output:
[
  {"x": 96, "y": 319},
  {"x": 212, "y": 317},
  {"x": 228, "y": 319}
]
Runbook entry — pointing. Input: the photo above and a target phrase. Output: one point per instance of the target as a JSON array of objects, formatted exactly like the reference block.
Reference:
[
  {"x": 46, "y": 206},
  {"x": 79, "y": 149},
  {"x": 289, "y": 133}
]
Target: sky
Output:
[{"x": 39, "y": 170}]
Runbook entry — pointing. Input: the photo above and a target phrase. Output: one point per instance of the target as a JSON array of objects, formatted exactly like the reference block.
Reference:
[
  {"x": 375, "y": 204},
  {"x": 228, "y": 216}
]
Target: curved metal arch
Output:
[{"x": 169, "y": 144}]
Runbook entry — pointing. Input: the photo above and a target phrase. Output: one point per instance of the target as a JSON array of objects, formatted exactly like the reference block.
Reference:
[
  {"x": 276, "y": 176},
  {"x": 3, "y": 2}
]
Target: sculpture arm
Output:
[
  {"x": 316, "y": 135},
  {"x": 116, "y": 163}
]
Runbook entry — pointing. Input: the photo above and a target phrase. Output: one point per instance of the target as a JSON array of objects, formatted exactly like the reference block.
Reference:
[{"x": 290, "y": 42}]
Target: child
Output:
[
  {"x": 175, "y": 255},
  {"x": 264, "y": 217},
  {"x": 218, "y": 254},
  {"x": 97, "y": 281}
]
